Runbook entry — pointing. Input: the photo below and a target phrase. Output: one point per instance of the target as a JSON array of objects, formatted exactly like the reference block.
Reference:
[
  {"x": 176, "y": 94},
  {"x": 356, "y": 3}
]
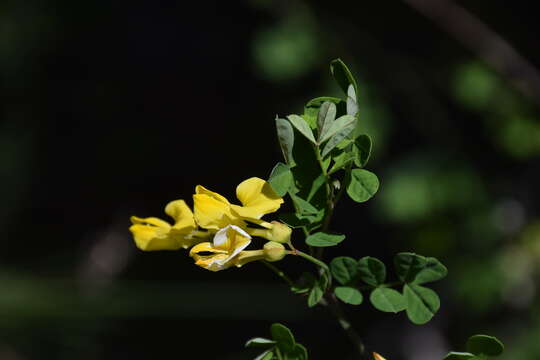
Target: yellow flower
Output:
[
  {"x": 214, "y": 212},
  {"x": 226, "y": 250},
  {"x": 378, "y": 357},
  {"x": 155, "y": 234}
]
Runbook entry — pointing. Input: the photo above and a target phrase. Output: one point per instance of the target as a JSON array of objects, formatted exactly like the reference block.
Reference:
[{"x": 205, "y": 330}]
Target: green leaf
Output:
[
  {"x": 260, "y": 342},
  {"x": 459, "y": 356},
  {"x": 352, "y": 106},
  {"x": 433, "y": 270},
  {"x": 372, "y": 271},
  {"x": 417, "y": 269},
  {"x": 316, "y": 185},
  {"x": 343, "y": 159},
  {"x": 422, "y": 303},
  {"x": 302, "y": 126},
  {"x": 294, "y": 221},
  {"x": 281, "y": 179},
  {"x": 485, "y": 345},
  {"x": 344, "y": 269},
  {"x": 349, "y": 295},
  {"x": 363, "y": 185},
  {"x": 283, "y": 337},
  {"x": 267, "y": 355},
  {"x": 343, "y": 75},
  {"x": 325, "y": 118},
  {"x": 285, "y": 135},
  {"x": 299, "y": 353},
  {"x": 315, "y": 295},
  {"x": 304, "y": 207},
  {"x": 322, "y": 239},
  {"x": 362, "y": 150},
  {"x": 387, "y": 300},
  {"x": 324, "y": 281},
  {"x": 318, "y": 101},
  {"x": 337, "y": 138},
  {"x": 336, "y": 126},
  {"x": 408, "y": 265},
  {"x": 304, "y": 283}
]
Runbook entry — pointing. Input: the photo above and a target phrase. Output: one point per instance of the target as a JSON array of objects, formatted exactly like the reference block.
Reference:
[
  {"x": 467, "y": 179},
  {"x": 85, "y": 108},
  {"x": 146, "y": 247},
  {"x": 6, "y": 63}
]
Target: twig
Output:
[
  {"x": 482, "y": 40},
  {"x": 355, "y": 338}
]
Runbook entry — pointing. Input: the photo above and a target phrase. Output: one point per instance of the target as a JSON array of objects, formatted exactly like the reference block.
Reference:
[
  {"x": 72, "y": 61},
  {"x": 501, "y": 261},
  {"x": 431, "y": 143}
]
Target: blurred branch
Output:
[{"x": 486, "y": 43}]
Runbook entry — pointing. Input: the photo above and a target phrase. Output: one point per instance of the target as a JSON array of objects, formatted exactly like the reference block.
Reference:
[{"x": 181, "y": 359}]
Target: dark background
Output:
[{"x": 112, "y": 109}]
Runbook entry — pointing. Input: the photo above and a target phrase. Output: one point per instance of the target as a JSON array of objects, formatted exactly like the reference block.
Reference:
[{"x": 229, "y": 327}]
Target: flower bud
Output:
[
  {"x": 274, "y": 251},
  {"x": 280, "y": 233}
]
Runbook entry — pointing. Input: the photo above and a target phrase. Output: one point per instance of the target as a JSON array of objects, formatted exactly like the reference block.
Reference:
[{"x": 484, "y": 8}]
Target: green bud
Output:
[
  {"x": 280, "y": 233},
  {"x": 274, "y": 251}
]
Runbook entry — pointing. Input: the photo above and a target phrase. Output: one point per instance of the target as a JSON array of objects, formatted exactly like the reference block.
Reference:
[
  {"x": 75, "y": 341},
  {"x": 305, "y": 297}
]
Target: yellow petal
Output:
[
  {"x": 214, "y": 262},
  {"x": 151, "y": 238},
  {"x": 150, "y": 221},
  {"x": 228, "y": 243},
  {"x": 205, "y": 247},
  {"x": 257, "y": 198},
  {"x": 182, "y": 215},
  {"x": 378, "y": 357},
  {"x": 199, "y": 189},
  {"x": 248, "y": 256},
  {"x": 213, "y": 214}
]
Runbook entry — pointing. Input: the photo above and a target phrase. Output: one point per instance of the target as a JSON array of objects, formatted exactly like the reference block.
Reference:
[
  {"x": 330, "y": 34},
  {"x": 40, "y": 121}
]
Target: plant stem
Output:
[
  {"x": 355, "y": 338},
  {"x": 279, "y": 273},
  {"x": 313, "y": 260}
]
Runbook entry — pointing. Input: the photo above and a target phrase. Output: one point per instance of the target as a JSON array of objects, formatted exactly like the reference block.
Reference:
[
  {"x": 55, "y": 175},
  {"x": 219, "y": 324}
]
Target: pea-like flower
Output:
[
  {"x": 152, "y": 234},
  {"x": 214, "y": 212},
  {"x": 377, "y": 356},
  {"x": 225, "y": 251}
]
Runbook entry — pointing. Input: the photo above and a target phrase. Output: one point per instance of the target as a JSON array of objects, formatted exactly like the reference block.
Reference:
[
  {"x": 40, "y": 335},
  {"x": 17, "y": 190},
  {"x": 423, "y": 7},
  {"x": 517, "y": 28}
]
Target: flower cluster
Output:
[{"x": 230, "y": 227}]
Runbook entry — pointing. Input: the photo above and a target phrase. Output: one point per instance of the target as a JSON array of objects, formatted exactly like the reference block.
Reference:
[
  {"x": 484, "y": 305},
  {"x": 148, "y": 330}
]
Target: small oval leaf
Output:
[
  {"x": 283, "y": 337},
  {"x": 344, "y": 269},
  {"x": 349, "y": 295},
  {"x": 285, "y": 134},
  {"x": 260, "y": 342},
  {"x": 422, "y": 303},
  {"x": 281, "y": 179},
  {"x": 322, "y": 239},
  {"x": 302, "y": 126},
  {"x": 387, "y": 300},
  {"x": 372, "y": 271},
  {"x": 363, "y": 185},
  {"x": 485, "y": 345}
]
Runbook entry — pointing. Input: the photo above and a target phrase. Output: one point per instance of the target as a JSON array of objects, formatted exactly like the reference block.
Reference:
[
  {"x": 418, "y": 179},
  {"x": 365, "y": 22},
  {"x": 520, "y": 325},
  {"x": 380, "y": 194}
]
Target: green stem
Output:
[
  {"x": 355, "y": 338},
  {"x": 313, "y": 260},
  {"x": 278, "y": 353},
  {"x": 279, "y": 273}
]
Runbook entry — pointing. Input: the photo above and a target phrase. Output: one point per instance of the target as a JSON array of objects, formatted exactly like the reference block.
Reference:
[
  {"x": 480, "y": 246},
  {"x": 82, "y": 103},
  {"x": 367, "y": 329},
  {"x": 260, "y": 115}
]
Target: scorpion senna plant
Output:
[{"x": 325, "y": 154}]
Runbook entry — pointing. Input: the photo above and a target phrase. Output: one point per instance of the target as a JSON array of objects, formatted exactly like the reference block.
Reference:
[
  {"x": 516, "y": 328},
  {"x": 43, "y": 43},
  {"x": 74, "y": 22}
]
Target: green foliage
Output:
[
  {"x": 322, "y": 239},
  {"x": 282, "y": 346},
  {"x": 285, "y": 134},
  {"x": 479, "y": 347},
  {"x": 387, "y": 300},
  {"x": 344, "y": 269},
  {"x": 281, "y": 179},
  {"x": 362, "y": 185},
  {"x": 301, "y": 125},
  {"x": 283, "y": 337},
  {"x": 372, "y": 271},
  {"x": 422, "y": 303},
  {"x": 362, "y": 150},
  {"x": 343, "y": 75},
  {"x": 417, "y": 269},
  {"x": 348, "y": 295},
  {"x": 485, "y": 345}
]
